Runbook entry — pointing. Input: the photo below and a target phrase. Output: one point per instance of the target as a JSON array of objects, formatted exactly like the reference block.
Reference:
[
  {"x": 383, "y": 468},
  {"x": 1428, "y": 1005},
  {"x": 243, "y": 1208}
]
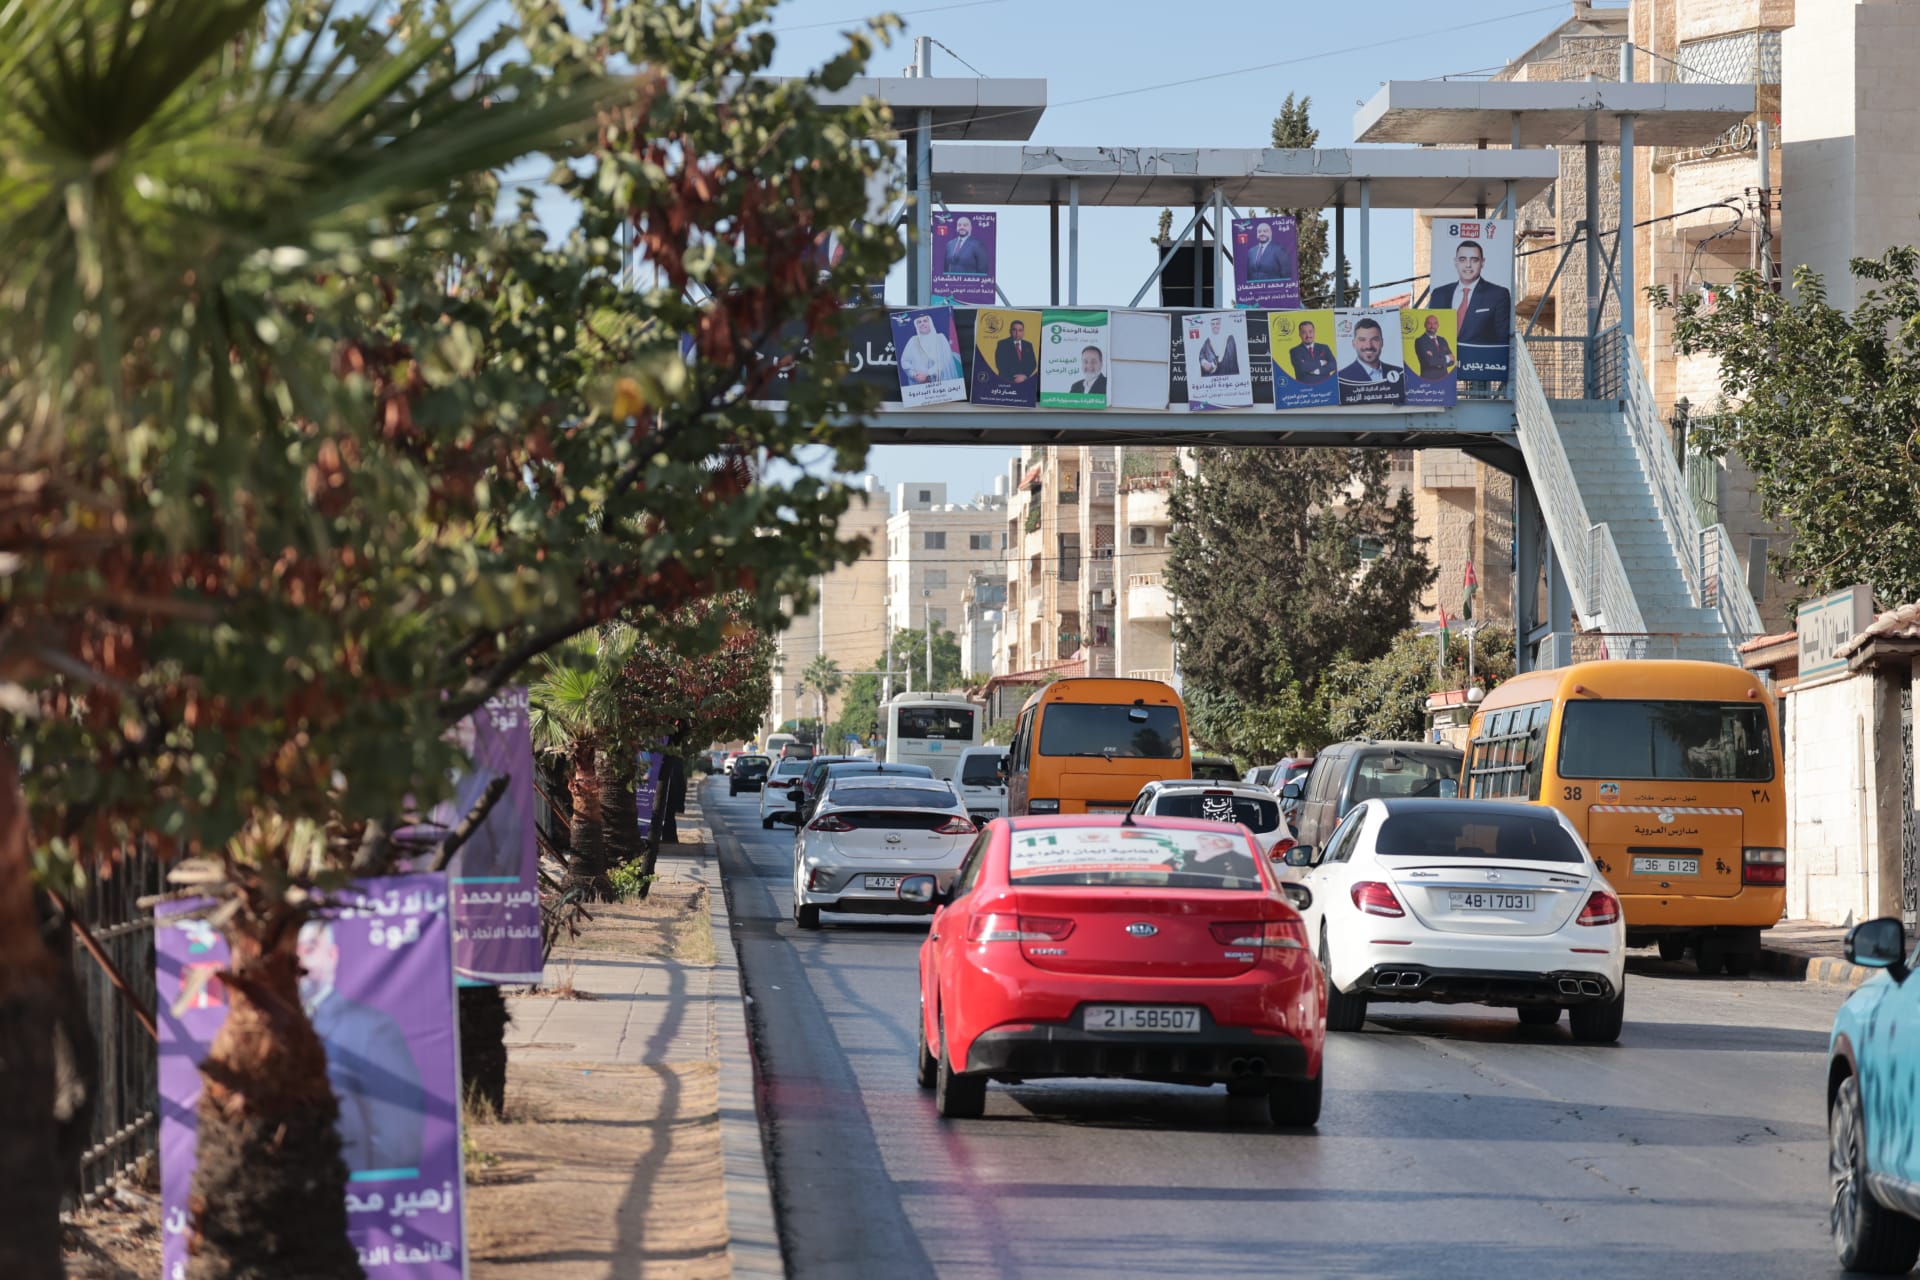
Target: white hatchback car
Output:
[
  {"x": 869, "y": 832},
  {"x": 1253, "y": 807},
  {"x": 1466, "y": 902},
  {"x": 773, "y": 796}
]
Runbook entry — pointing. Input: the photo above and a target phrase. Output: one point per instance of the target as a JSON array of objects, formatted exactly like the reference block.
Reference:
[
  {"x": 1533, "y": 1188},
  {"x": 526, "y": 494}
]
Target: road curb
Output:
[
  {"x": 753, "y": 1232},
  {"x": 1830, "y": 971}
]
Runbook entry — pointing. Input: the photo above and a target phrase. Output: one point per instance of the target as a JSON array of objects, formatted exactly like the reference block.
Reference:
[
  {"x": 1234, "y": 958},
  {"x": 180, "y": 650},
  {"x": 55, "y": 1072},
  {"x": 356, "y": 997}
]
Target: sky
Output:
[{"x": 1118, "y": 51}]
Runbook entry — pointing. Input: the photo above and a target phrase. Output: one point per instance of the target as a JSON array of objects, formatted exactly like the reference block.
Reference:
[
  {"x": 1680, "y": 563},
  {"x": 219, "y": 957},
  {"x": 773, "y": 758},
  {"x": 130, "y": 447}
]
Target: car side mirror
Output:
[
  {"x": 1302, "y": 855},
  {"x": 796, "y": 795},
  {"x": 1879, "y": 944},
  {"x": 1299, "y": 897},
  {"x": 1291, "y": 791},
  {"x": 921, "y": 890}
]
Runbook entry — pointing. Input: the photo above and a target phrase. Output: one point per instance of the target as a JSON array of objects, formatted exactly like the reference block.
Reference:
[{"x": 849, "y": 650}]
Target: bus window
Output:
[
  {"x": 1096, "y": 729},
  {"x": 941, "y": 724},
  {"x": 1667, "y": 740}
]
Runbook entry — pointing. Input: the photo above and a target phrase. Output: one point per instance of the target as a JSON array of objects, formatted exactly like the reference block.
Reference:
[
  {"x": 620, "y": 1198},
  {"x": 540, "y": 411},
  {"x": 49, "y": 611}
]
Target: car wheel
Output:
[
  {"x": 1295, "y": 1104},
  {"x": 1599, "y": 1023},
  {"x": 1539, "y": 1015},
  {"x": 1709, "y": 955},
  {"x": 1344, "y": 1012},
  {"x": 1867, "y": 1235},
  {"x": 926, "y": 1071},
  {"x": 957, "y": 1096},
  {"x": 1673, "y": 949},
  {"x": 806, "y": 915},
  {"x": 1739, "y": 962}
]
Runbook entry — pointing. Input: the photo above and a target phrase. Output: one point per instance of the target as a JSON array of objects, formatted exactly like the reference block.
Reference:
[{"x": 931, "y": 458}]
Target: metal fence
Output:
[
  {"x": 1571, "y": 368},
  {"x": 126, "y": 1108}
]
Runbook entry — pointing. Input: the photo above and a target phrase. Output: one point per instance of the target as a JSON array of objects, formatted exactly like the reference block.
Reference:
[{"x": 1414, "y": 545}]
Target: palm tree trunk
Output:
[
  {"x": 619, "y": 808},
  {"x": 270, "y": 1188},
  {"x": 29, "y": 1160},
  {"x": 483, "y": 1047},
  {"x": 587, "y": 839}
]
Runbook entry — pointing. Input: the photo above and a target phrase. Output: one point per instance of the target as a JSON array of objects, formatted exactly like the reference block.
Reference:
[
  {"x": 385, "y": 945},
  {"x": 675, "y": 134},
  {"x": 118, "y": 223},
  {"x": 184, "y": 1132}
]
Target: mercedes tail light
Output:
[
  {"x": 1002, "y": 927},
  {"x": 1602, "y": 908},
  {"x": 829, "y": 822},
  {"x": 1279, "y": 935},
  {"x": 1376, "y": 899},
  {"x": 1763, "y": 866},
  {"x": 956, "y": 827}
]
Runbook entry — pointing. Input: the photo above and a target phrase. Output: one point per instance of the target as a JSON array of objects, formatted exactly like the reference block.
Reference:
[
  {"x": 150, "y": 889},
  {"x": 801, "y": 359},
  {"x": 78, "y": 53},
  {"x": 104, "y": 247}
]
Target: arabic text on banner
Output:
[
  {"x": 964, "y": 252},
  {"x": 1428, "y": 347},
  {"x": 929, "y": 354},
  {"x": 1006, "y": 358},
  {"x": 1367, "y": 345},
  {"x": 1266, "y": 266},
  {"x": 378, "y": 983},
  {"x": 1304, "y": 367},
  {"x": 1219, "y": 369},
  {"x": 1074, "y": 352},
  {"x": 1473, "y": 278}
]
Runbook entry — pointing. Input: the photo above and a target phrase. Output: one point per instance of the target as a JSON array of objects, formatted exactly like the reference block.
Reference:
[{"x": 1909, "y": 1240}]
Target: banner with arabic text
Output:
[{"x": 963, "y": 258}]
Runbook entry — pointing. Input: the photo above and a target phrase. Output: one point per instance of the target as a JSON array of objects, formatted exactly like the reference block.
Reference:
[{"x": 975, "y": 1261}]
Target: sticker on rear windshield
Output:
[
  {"x": 1216, "y": 808},
  {"x": 1109, "y": 850}
]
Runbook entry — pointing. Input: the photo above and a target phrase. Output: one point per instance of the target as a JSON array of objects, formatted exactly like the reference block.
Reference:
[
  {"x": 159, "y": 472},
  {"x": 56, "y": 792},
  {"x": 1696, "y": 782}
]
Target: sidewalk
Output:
[
  {"x": 1810, "y": 952},
  {"x": 630, "y": 1147}
]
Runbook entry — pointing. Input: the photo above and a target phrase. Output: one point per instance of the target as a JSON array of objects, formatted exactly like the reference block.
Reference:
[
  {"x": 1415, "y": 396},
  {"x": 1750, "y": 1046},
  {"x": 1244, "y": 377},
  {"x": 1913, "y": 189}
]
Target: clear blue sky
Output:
[{"x": 1337, "y": 54}]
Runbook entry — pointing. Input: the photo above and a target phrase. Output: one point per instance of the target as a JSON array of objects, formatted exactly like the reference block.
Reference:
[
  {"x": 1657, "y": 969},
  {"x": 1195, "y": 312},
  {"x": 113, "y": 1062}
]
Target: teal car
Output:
[{"x": 1873, "y": 1108}]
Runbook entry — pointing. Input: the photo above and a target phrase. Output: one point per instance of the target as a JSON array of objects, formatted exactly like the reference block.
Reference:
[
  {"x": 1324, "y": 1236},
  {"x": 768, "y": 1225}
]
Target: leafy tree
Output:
[
  {"x": 1293, "y": 127},
  {"x": 1386, "y": 698},
  {"x": 910, "y": 658},
  {"x": 1821, "y": 404},
  {"x": 822, "y": 677},
  {"x": 859, "y": 711},
  {"x": 576, "y": 710}
]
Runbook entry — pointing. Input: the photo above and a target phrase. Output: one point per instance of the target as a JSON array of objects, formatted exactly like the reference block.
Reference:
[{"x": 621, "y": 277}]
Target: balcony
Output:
[
  {"x": 1162, "y": 674},
  {"x": 1147, "y": 597},
  {"x": 1144, "y": 507}
]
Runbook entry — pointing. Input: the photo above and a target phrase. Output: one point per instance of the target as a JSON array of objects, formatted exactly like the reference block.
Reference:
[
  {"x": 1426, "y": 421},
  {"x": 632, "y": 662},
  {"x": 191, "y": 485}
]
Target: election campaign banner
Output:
[
  {"x": 1427, "y": 347},
  {"x": 963, "y": 258},
  {"x": 929, "y": 356},
  {"x": 377, "y": 981},
  {"x": 1006, "y": 358},
  {"x": 646, "y": 793},
  {"x": 1473, "y": 278},
  {"x": 1367, "y": 344},
  {"x": 495, "y": 875},
  {"x": 1266, "y": 266},
  {"x": 1073, "y": 359},
  {"x": 1219, "y": 371},
  {"x": 1303, "y": 360}
]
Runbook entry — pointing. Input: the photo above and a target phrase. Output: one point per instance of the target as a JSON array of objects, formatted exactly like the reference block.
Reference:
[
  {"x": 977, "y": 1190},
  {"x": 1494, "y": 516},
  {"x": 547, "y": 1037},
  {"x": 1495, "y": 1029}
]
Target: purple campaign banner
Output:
[
  {"x": 496, "y": 873},
  {"x": 1266, "y": 263},
  {"x": 378, "y": 984},
  {"x": 964, "y": 258},
  {"x": 649, "y": 788}
]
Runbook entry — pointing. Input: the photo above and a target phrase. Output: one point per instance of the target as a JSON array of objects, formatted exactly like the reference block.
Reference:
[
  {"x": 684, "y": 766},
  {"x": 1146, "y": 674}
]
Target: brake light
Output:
[
  {"x": 956, "y": 827},
  {"x": 829, "y": 822},
  {"x": 999, "y": 927},
  {"x": 1602, "y": 908},
  {"x": 1281, "y": 848},
  {"x": 1376, "y": 899},
  {"x": 1763, "y": 866},
  {"x": 1283, "y": 935}
]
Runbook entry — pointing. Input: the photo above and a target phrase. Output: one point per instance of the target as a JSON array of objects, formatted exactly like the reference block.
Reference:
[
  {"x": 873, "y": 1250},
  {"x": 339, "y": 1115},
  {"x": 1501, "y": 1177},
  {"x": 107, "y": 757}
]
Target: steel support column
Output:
[
  {"x": 1366, "y": 242},
  {"x": 1053, "y": 247},
  {"x": 1073, "y": 242},
  {"x": 1623, "y": 253},
  {"x": 1592, "y": 174},
  {"x": 1340, "y": 250},
  {"x": 923, "y": 207},
  {"x": 1219, "y": 250}
]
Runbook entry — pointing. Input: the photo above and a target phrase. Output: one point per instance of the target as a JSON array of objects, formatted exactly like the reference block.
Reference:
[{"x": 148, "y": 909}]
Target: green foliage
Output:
[
  {"x": 1293, "y": 127},
  {"x": 859, "y": 710},
  {"x": 910, "y": 658},
  {"x": 1000, "y": 732},
  {"x": 1386, "y": 698},
  {"x": 1822, "y": 405},
  {"x": 630, "y": 880}
]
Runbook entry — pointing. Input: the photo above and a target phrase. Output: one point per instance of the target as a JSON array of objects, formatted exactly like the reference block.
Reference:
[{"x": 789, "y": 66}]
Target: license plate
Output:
[
  {"x": 883, "y": 882},
  {"x": 1666, "y": 866},
  {"x": 1478, "y": 901},
  {"x": 1167, "y": 1018}
]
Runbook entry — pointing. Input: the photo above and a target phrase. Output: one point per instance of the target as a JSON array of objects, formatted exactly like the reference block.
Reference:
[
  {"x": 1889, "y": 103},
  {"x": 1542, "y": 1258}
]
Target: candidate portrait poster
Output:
[
  {"x": 1006, "y": 358},
  {"x": 1473, "y": 278},
  {"x": 1367, "y": 345},
  {"x": 1304, "y": 367},
  {"x": 1219, "y": 371},
  {"x": 1427, "y": 348},
  {"x": 377, "y": 982},
  {"x": 1075, "y": 348},
  {"x": 1266, "y": 262},
  {"x": 928, "y": 350},
  {"x": 963, "y": 258}
]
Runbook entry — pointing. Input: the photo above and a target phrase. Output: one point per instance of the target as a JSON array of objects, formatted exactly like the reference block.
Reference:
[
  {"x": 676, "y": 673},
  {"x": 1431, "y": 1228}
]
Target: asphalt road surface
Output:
[{"x": 1453, "y": 1142}]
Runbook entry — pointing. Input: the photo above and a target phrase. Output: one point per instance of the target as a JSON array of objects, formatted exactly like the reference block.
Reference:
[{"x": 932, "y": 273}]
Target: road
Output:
[{"x": 1453, "y": 1142}]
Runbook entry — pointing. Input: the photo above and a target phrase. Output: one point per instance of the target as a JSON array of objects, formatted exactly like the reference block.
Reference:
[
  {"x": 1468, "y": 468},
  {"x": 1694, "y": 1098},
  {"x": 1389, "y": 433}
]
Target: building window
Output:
[
  {"x": 937, "y": 617},
  {"x": 926, "y": 495},
  {"x": 934, "y": 541},
  {"x": 979, "y": 542},
  {"x": 936, "y": 580},
  {"x": 1757, "y": 568}
]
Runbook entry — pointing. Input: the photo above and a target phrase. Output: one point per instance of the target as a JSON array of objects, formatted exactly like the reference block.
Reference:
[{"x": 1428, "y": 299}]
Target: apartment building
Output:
[
  {"x": 1143, "y": 630},
  {"x": 845, "y": 623},
  {"x": 1060, "y": 566},
  {"x": 933, "y": 549},
  {"x": 983, "y": 605}
]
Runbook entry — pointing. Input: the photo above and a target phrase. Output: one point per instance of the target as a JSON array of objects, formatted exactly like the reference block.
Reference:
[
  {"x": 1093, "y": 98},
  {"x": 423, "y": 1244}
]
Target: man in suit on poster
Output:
[
  {"x": 1483, "y": 309},
  {"x": 1433, "y": 353},
  {"x": 1264, "y": 260},
  {"x": 1369, "y": 340},
  {"x": 371, "y": 1069},
  {"x": 1014, "y": 358},
  {"x": 1093, "y": 381},
  {"x": 1312, "y": 361},
  {"x": 965, "y": 256}
]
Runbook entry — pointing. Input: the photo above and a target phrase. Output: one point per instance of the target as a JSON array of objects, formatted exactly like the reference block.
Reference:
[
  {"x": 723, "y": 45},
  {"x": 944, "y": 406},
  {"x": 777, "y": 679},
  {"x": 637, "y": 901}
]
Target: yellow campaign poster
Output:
[
  {"x": 1430, "y": 341},
  {"x": 1006, "y": 363},
  {"x": 1301, "y": 349}
]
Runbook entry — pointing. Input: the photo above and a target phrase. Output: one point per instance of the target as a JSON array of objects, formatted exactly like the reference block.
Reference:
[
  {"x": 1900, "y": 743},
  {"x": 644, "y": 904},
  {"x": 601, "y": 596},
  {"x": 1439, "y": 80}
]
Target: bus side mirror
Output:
[{"x": 1449, "y": 789}]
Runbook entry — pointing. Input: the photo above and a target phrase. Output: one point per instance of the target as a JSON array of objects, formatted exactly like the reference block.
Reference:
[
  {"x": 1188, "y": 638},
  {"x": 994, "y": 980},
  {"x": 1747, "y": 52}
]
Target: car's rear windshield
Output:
[
  {"x": 1255, "y": 815},
  {"x": 1110, "y": 729},
  {"x": 1400, "y": 773},
  {"x": 1468, "y": 833},
  {"x": 842, "y": 796},
  {"x": 751, "y": 764},
  {"x": 982, "y": 771},
  {"x": 1666, "y": 740},
  {"x": 1132, "y": 857},
  {"x": 789, "y": 768},
  {"x": 875, "y": 766}
]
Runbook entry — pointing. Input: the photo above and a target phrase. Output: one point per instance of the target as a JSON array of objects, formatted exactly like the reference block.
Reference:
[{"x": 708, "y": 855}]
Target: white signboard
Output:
[{"x": 1825, "y": 624}]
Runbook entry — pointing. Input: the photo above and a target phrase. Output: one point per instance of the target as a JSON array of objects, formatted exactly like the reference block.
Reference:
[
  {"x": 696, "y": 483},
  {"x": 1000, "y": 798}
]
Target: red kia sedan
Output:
[{"x": 1134, "y": 947}]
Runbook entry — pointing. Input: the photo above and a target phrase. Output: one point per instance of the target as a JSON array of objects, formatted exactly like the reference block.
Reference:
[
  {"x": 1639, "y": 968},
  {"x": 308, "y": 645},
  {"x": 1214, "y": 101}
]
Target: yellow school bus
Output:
[{"x": 1671, "y": 771}]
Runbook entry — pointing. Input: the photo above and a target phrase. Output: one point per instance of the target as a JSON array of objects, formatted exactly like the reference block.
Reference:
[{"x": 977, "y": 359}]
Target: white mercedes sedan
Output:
[
  {"x": 1465, "y": 902},
  {"x": 866, "y": 834}
]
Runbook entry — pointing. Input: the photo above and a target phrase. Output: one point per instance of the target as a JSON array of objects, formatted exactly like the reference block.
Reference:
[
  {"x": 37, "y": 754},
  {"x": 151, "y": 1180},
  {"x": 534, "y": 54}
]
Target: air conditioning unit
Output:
[
  {"x": 1102, "y": 599},
  {"x": 1138, "y": 535}
]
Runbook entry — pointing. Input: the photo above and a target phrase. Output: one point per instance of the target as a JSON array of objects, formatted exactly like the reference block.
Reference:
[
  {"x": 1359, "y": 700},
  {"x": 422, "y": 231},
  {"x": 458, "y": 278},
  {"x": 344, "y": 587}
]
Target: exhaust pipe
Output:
[
  {"x": 1411, "y": 979},
  {"x": 1237, "y": 1067},
  {"x": 1589, "y": 987},
  {"x": 1256, "y": 1066},
  {"x": 1569, "y": 987}
]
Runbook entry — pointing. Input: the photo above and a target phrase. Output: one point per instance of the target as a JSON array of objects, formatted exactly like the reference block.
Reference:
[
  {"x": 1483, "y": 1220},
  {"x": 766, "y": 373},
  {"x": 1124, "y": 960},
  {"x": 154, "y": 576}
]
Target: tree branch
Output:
[
  {"x": 471, "y": 823},
  {"x": 475, "y": 692}
]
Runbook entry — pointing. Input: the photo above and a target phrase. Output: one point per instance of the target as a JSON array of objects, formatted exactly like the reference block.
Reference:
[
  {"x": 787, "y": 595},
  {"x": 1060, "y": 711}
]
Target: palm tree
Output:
[
  {"x": 822, "y": 675},
  {"x": 576, "y": 715}
]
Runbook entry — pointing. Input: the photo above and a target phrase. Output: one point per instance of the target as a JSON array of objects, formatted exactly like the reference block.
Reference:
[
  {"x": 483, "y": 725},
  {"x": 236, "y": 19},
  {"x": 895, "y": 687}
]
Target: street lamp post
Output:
[{"x": 926, "y": 599}]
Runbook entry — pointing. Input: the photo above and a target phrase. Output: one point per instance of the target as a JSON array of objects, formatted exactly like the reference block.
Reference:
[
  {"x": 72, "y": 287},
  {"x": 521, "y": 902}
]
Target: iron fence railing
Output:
[
  {"x": 1648, "y": 430},
  {"x": 1724, "y": 586},
  {"x": 1595, "y": 646}
]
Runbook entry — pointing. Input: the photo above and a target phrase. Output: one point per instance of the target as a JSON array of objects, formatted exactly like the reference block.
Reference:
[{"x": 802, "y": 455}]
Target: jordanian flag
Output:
[{"x": 1466, "y": 601}]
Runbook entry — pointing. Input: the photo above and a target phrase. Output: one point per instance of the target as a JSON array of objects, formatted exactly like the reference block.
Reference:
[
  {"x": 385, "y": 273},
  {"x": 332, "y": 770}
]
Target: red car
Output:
[{"x": 1122, "y": 946}]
